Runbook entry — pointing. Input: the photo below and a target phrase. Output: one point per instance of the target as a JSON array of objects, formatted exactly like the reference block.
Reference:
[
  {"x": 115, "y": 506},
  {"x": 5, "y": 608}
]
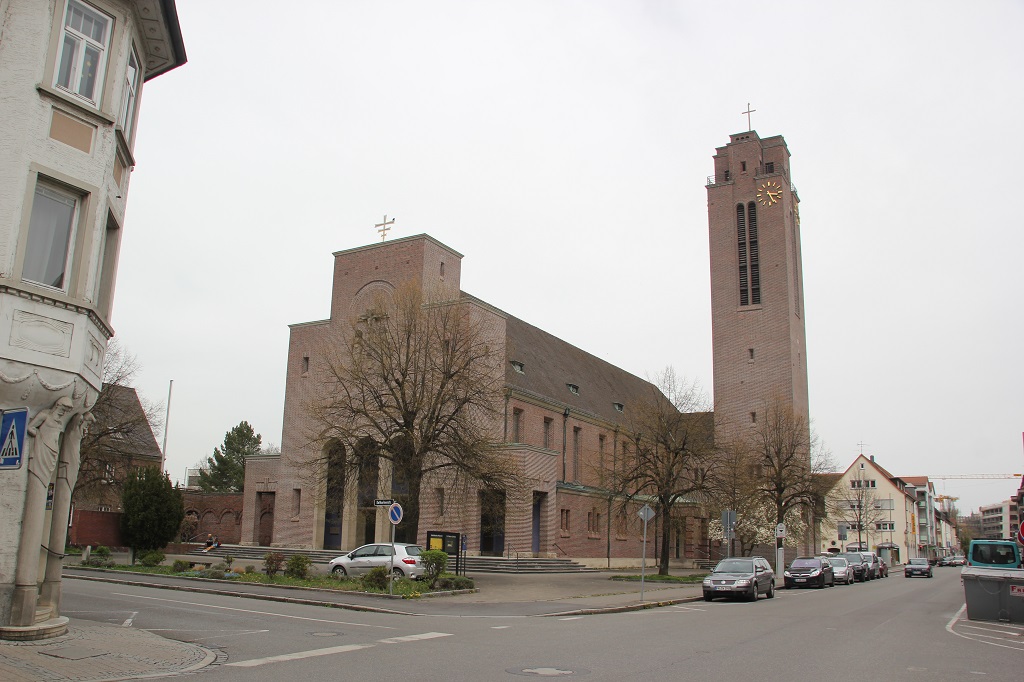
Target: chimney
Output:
[{"x": 872, "y": 458}]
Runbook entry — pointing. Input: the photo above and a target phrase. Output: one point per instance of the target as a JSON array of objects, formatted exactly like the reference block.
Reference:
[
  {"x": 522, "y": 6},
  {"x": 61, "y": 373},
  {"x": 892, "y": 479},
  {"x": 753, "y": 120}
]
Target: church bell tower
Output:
[{"x": 757, "y": 302}]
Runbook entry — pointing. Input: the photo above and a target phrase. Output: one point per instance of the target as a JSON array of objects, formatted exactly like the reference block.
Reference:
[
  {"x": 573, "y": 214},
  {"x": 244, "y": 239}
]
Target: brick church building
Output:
[{"x": 565, "y": 409}]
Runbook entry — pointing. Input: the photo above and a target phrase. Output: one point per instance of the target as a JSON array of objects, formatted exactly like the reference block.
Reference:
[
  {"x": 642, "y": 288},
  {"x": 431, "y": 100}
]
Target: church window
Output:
[
  {"x": 619, "y": 407},
  {"x": 305, "y": 364},
  {"x": 750, "y": 352},
  {"x": 576, "y": 453},
  {"x": 564, "y": 523},
  {"x": 573, "y": 388},
  {"x": 517, "y": 424},
  {"x": 547, "y": 432},
  {"x": 50, "y": 235},
  {"x": 743, "y": 166},
  {"x": 83, "y": 51},
  {"x": 519, "y": 367},
  {"x": 753, "y": 417}
]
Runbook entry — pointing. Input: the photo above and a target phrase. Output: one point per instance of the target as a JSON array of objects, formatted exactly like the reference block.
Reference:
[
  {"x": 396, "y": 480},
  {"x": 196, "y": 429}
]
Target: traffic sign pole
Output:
[{"x": 395, "y": 515}]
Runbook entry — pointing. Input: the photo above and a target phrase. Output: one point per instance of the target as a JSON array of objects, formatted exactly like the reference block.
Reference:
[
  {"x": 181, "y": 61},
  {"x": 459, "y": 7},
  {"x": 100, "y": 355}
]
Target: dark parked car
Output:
[
  {"x": 860, "y": 566},
  {"x": 740, "y": 577},
  {"x": 806, "y": 571},
  {"x": 918, "y": 566}
]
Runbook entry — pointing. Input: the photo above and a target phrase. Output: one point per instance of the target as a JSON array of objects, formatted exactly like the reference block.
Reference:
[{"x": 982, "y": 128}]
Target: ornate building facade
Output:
[{"x": 72, "y": 80}]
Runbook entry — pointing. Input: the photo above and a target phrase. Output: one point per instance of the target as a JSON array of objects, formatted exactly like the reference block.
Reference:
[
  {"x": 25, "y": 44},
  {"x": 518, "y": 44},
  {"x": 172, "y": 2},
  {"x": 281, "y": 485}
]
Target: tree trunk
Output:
[{"x": 666, "y": 531}]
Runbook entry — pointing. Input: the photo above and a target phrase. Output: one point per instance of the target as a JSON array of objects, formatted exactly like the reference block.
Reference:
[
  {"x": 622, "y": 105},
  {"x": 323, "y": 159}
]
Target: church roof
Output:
[{"x": 551, "y": 367}]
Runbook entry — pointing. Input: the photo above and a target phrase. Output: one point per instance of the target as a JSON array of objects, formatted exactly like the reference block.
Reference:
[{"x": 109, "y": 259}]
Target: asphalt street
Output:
[{"x": 891, "y": 629}]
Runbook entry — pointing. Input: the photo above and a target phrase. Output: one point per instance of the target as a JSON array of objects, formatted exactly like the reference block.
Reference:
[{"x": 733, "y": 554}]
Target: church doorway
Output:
[
  {"x": 492, "y": 523},
  {"x": 265, "y": 528},
  {"x": 539, "y": 506}
]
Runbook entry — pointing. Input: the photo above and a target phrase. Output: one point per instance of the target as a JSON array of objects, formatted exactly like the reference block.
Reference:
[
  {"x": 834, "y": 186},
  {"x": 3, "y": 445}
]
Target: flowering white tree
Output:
[{"x": 755, "y": 525}]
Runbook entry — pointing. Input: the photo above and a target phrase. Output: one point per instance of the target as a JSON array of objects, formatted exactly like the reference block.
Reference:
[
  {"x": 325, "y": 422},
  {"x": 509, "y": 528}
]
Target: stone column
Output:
[
  {"x": 45, "y": 430},
  {"x": 67, "y": 476}
]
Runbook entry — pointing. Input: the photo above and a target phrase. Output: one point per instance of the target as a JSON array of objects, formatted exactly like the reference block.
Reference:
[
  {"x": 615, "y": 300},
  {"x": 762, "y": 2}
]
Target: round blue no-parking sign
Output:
[{"x": 395, "y": 514}]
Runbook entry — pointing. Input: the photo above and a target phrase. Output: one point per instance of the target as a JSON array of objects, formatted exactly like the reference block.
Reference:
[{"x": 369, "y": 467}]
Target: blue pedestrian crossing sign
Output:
[
  {"x": 395, "y": 514},
  {"x": 12, "y": 437}
]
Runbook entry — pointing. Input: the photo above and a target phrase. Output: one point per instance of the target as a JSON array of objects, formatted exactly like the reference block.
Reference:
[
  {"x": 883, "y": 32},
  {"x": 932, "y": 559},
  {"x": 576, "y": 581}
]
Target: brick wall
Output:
[
  {"x": 95, "y": 528},
  {"x": 219, "y": 514}
]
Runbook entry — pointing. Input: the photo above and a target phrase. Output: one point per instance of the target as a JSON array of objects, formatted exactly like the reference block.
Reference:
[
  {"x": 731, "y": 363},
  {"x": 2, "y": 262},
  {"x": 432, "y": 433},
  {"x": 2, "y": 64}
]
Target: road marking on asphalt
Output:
[
  {"x": 975, "y": 637},
  {"x": 128, "y": 622},
  {"x": 571, "y": 618},
  {"x": 500, "y": 627},
  {"x": 414, "y": 638},
  {"x": 687, "y": 608},
  {"x": 259, "y": 613},
  {"x": 299, "y": 655},
  {"x": 212, "y": 634}
]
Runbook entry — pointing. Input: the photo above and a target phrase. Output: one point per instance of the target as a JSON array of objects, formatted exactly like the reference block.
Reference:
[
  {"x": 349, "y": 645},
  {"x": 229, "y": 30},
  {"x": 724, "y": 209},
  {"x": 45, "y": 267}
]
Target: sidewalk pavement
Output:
[{"x": 95, "y": 652}]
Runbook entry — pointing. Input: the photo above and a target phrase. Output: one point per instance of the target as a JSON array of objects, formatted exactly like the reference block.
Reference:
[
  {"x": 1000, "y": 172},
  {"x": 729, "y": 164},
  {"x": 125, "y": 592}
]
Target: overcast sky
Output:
[{"x": 563, "y": 147}]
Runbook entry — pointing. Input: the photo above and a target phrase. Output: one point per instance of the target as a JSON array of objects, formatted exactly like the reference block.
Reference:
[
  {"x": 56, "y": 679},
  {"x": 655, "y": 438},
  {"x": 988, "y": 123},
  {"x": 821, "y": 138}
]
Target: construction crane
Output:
[{"x": 975, "y": 476}]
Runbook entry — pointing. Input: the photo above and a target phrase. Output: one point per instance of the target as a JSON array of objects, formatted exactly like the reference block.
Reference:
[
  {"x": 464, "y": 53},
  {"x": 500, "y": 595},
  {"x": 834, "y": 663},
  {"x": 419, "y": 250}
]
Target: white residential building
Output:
[{"x": 72, "y": 75}]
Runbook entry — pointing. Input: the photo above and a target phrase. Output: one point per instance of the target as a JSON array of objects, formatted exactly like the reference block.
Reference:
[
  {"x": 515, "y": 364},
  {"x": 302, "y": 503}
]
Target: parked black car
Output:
[
  {"x": 806, "y": 571},
  {"x": 860, "y": 566}
]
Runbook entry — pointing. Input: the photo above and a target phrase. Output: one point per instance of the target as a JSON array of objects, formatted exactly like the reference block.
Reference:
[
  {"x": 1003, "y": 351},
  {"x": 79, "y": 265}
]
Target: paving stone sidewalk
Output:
[{"x": 93, "y": 652}]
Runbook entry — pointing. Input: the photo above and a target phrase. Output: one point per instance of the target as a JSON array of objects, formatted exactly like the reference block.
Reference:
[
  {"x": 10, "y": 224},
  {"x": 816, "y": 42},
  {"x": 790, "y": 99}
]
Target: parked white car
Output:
[{"x": 405, "y": 562}]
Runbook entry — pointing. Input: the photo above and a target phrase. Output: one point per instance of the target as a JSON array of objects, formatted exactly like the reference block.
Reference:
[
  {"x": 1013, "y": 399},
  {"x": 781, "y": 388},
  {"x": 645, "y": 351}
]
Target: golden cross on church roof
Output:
[{"x": 383, "y": 227}]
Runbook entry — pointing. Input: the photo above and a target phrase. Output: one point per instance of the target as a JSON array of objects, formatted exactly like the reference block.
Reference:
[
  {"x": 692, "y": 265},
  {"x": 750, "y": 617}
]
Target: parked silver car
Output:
[
  {"x": 843, "y": 570},
  {"x": 405, "y": 562},
  {"x": 740, "y": 577}
]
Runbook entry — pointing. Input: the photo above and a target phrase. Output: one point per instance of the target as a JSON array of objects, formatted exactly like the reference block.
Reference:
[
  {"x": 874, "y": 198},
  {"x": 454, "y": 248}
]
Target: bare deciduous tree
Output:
[
  {"x": 671, "y": 451},
  {"x": 123, "y": 432},
  {"x": 788, "y": 458},
  {"x": 417, "y": 383}
]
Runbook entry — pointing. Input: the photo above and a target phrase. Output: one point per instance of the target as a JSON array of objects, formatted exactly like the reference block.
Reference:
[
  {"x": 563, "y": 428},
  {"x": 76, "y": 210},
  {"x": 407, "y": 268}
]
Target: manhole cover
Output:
[{"x": 547, "y": 671}]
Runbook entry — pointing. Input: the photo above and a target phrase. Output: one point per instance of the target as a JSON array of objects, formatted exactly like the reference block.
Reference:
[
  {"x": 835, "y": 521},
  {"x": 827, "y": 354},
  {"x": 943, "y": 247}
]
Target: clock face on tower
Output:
[{"x": 769, "y": 193}]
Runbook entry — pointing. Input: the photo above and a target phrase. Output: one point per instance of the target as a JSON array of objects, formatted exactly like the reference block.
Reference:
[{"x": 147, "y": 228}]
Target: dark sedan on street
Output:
[
  {"x": 806, "y": 571},
  {"x": 860, "y": 566},
  {"x": 917, "y": 566}
]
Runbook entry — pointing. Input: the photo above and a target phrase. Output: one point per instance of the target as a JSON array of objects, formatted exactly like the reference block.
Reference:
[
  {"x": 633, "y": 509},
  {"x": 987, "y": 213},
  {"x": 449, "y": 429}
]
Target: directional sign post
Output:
[
  {"x": 646, "y": 513},
  {"x": 395, "y": 514}
]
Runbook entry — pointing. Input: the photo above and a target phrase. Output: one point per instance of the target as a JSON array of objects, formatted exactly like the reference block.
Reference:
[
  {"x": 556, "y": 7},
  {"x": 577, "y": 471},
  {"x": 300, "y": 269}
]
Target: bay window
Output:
[{"x": 50, "y": 231}]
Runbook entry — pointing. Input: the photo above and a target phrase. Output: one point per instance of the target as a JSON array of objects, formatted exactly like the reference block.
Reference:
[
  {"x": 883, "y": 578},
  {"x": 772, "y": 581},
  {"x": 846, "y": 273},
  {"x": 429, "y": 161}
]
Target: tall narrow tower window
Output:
[
  {"x": 750, "y": 273},
  {"x": 741, "y": 234},
  {"x": 755, "y": 268}
]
